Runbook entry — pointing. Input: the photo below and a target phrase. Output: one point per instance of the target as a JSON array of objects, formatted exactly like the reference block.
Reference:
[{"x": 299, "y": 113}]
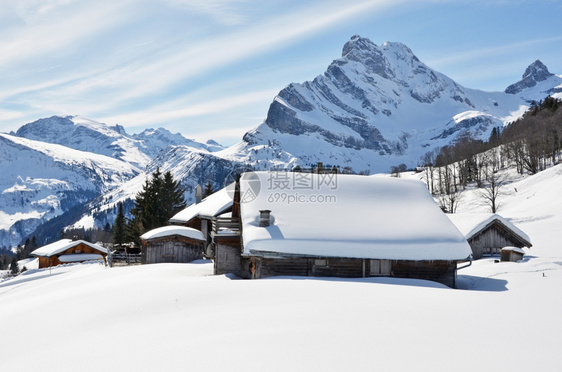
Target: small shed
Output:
[
  {"x": 511, "y": 254},
  {"x": 68, "y": 251},
  {"x": 178, "y": 244},
  {"x": 488, "y": 233}
]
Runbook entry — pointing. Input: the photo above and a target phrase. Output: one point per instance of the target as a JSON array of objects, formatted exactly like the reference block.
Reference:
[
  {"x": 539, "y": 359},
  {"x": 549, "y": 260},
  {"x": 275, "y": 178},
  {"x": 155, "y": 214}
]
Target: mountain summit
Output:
[
  {"x": 378, "y": 106},
  {"x": 536, "y": 72}
]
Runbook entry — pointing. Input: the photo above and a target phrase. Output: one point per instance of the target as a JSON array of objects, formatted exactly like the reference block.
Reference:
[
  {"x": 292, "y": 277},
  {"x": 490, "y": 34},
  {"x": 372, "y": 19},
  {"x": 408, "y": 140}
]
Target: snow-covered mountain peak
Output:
[
  {"x": 376, "y": 106},
  {"x": 535, "y": 73},
  {"x": 357, "y": 45}
]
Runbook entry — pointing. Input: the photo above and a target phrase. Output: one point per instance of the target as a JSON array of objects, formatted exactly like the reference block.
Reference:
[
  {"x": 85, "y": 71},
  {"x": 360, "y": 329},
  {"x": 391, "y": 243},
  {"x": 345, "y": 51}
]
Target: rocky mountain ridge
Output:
[
  {"x": 378, "y": 106},
  {"x": 84, "y": 134}
]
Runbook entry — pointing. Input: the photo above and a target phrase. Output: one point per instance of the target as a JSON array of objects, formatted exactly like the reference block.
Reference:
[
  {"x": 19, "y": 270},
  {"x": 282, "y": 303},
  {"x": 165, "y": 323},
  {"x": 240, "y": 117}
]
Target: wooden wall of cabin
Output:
[
  {"x": 228, "y": 258},
  {"x": 508, "y": 255},
  {"x": 336, "y": 267},
  {"x": 194, "y": 223},
  {"x": 491, "y": 237},
  {"x": 438, "y": 271},
  {"x": 173, "y": 250},
  {"x": 46, "y": 262}
]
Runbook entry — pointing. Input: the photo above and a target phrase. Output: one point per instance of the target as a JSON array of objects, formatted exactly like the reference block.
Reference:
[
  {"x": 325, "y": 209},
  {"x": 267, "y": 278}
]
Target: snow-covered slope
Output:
[
  {"x": 87, "y": 135},
  {"x": 379, "y": 106},
  {"x": 507, "y": 318},
  {"x": 41, "y": 180}
]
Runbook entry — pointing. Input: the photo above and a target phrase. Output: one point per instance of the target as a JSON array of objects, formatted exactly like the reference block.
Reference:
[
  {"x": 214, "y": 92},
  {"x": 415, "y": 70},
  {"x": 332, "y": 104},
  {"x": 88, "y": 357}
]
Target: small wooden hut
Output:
[
  {"x": 69, "y": 251},
  {"x": 488, "y": 233},
  {"x": 178, "y": 244},
  {"x": 511, "y": 254}
]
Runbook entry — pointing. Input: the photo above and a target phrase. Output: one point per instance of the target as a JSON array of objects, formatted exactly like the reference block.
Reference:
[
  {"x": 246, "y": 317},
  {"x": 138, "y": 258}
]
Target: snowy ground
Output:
[{"x": 168, "y": 317}]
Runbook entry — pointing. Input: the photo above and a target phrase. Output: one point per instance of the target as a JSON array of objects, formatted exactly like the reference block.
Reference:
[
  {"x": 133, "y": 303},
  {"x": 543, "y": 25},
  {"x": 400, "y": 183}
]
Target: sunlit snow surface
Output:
[{"x": 179, "y": 317}]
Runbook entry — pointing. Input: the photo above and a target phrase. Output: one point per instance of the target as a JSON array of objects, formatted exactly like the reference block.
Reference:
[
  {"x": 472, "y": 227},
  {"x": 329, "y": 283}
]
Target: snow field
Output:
[{"x": 179, "y": 317}]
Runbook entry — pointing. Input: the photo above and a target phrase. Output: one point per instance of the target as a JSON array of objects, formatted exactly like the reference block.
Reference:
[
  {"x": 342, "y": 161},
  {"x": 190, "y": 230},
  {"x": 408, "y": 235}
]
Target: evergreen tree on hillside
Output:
[
  {"x": 173, "y": 200},
  {"x": 208, "y": 190},
  {"x": 159, "y": 200},
  {"x": 14, "y": 267},
  {"x": 119, "y": 232}
]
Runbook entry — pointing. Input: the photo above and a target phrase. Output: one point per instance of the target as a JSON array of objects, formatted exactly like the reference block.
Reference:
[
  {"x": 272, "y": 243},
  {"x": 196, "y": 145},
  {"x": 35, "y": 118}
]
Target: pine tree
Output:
[
  {"x": 119, "y": 233},
  {"x": 159, "y": 200},
  {"x": 208, "y": 189},
  {"x": 14, "y": 267},
  {"x": 172, "y": 200}
]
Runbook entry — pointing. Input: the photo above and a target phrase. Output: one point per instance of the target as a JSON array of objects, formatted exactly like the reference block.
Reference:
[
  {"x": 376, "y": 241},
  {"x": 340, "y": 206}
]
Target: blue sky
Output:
[{"x": 210, "y": 68}]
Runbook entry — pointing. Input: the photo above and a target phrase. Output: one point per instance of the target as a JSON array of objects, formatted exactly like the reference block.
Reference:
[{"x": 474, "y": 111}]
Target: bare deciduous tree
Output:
[{"x": 492, "y": 190}]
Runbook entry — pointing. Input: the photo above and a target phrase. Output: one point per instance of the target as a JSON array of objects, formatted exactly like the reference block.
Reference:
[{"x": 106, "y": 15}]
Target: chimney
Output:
[
  {"x": 264, "y": 217},
  {"x": 198, "y": 194}
]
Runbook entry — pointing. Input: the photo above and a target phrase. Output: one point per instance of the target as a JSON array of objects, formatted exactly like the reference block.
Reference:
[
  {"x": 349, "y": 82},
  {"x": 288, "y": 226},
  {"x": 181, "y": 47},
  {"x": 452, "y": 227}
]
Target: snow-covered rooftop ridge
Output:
[
  {"x": 62, "y": 245},
  {"x": 470, "y": 224},
  {"x": 334, "y": 215},
  {"x": 165, "y": 231},
  {"x": 213, "y": 205}
]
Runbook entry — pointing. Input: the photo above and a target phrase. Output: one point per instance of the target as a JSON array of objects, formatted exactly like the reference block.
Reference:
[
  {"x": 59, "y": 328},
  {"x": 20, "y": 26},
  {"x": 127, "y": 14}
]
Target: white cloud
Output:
[{"x": 175, "y": 111}]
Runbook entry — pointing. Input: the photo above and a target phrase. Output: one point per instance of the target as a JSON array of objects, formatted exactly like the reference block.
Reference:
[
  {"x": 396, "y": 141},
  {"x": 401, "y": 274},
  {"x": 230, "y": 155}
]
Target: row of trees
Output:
[{"x": 531, "y": 143}]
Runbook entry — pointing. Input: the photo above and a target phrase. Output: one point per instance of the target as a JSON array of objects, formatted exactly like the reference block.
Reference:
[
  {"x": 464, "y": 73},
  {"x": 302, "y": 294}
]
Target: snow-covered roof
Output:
[
  {"x": 165, "y": 231},
  {"x": 346, "y": 216},
  {"x": 62, "y": 245},
  {"x": 213, "y": 205},
  {"x": 472, "y": 223},
  {"x": 80, "y": 257}
]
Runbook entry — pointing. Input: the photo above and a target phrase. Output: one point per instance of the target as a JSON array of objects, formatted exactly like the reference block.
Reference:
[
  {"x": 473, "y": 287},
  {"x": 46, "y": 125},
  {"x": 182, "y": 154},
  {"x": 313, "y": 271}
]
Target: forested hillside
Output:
[{"x": 530, "y": 144}]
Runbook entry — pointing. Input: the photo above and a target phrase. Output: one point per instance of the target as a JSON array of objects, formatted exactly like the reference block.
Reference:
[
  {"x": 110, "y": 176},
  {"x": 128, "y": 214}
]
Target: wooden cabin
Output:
[
  {"x": 178, "y": 244},
  {"x": 511, "y": 254},
  {"x": 69, "y": 251},
  {"x": 304, "y": 224},
  {"x": 200, "y": 215},
  {"x": 488, "y": 233}
]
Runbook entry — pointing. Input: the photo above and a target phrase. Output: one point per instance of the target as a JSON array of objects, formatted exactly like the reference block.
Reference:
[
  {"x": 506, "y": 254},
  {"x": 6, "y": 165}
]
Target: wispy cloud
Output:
[
  {"x": 53, "y": 33},
  {"x": 228, "y": 12},
  {"x": 170, "y": 111},
  {"x": 156, "y": 62},
  {"x": 159, "y": 67},
  {"x": 481, "y": 53}
]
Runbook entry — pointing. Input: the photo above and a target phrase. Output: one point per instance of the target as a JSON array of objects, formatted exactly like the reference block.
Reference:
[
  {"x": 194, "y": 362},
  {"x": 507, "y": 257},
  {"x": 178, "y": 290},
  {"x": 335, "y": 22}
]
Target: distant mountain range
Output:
[
  {"x": 52, "y": 165},
  {"x": 375, "y": 107}
]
